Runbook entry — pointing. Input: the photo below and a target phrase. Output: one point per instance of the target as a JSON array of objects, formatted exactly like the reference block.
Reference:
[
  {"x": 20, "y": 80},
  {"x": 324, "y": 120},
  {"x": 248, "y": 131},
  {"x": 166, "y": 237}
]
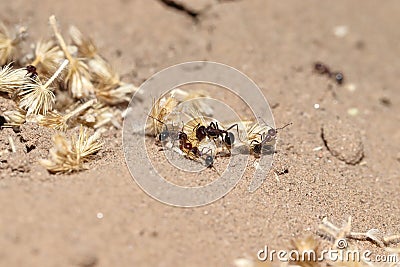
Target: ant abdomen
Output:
[
  {"x": 163, "y": 136},
  {"x": 209, "y": 161},
  {"x": 229, "y": 138}
]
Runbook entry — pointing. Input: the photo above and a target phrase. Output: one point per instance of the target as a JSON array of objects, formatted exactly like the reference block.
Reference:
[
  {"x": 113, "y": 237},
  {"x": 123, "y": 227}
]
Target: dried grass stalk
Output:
[{"x": 68, "y": 156}]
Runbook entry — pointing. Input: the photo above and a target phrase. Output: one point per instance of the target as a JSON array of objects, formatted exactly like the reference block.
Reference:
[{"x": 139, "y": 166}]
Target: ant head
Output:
[
  {"x": 271, "y": 132},
  {"x": 229, "y": 138},
  {"x": 182, "y": 136},
  {"x": 30, "y": 68},
  {"x": 321, "y": 68}
]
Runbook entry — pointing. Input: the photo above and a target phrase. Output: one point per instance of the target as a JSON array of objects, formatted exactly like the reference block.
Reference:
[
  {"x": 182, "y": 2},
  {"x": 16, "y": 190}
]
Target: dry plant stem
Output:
[
  {"x": 345, "y": 232},
  {"x": 365, "y": 237},
  {"x": 11, "y": 141},
  {"x": 392, "y": 239},
  {"x": 58, "y": 71},
  {"x": 80, "y": 109},
  {"x": 60, "y": 39},
  {"x": 36, "y": 61}
]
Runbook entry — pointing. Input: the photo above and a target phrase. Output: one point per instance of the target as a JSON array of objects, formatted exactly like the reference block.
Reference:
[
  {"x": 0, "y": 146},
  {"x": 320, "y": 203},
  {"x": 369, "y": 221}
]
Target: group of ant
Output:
[{"x": 212, "y": 131}]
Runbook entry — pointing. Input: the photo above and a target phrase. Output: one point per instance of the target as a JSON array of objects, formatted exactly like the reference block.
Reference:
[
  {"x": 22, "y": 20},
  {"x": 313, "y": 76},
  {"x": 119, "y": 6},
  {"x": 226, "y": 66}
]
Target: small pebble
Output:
[
  {"x": 351, "y": 87},
  {"x": 353, "y": 111},
  {"x": 340, "y": 31}
]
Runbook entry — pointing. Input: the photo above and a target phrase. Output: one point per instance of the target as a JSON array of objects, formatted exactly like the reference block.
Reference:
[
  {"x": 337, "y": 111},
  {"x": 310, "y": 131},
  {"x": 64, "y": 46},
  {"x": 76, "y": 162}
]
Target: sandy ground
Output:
[{"x": 52, "y": 220}]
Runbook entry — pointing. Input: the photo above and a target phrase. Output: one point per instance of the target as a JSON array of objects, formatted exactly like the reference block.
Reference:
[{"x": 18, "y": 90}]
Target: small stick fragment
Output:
[{"x": 11, "y": 142}]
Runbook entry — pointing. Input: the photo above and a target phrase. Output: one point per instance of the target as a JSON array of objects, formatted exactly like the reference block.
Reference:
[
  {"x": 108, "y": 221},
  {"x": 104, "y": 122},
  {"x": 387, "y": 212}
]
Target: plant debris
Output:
[
  {"x": 83, "y": 91},
  {"x": 68, "y": 156}
]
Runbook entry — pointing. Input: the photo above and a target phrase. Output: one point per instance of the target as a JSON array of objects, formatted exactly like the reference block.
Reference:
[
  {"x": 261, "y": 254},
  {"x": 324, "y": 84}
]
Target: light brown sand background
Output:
[{"x": 51, "y": 220}]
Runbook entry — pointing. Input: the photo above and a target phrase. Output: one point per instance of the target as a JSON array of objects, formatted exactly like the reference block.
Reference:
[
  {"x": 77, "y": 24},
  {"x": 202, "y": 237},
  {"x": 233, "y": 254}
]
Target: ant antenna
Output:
[
  {"x": 155, "y": 119},
  {"x": 276, "y": 129},
  {"x": 283, "y": 127}
]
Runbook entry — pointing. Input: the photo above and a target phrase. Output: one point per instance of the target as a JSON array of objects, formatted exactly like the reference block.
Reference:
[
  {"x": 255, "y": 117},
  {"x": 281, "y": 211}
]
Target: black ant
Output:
[
  {"x": 213, "y": 131},
  {"x": 323, "y": 69},
  {"x": 32, "y": 71},
  {"x": 266, "y": 138}
]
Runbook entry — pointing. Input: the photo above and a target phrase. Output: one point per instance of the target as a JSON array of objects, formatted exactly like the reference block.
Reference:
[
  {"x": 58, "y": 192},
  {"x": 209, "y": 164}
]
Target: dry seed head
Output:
[
  {"x": 86, "y": 47},
  {"x": 86, "y": 145},
  {"x": 47, "y": 56},
  {"x": 254, "y": 132},
  {"x": 11, "y": 80},
  {"x": 68, "y": 156},
  {"x": 53, "y": 120},
  {"x": 160, "y": 110},
  {"x": 303, "y": 246},
  {"x": 116, "y": 95},
  {"x": 201, "y": 106},
  {"x": 99, "y": 116},
  {"x": 14, "y": 117},
  {"x": 63, "y": 122},
  {"x": 38, "y": 98},
  {"x": 8, "y": 44},
  {"x": 78, "y": 79},
  {"x": 103, "y": 73}
]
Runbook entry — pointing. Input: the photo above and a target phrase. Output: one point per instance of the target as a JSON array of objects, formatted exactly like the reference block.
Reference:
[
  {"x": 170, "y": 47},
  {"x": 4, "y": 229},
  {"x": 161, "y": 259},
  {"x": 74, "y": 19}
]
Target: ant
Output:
[
  {"x": 323, "y": 69},
  {"x": 184, "y": 143},
  {"x": 213, "y": 131},
  {"x": 32, "y": 71},
  {"x": 266, "y": 138}
]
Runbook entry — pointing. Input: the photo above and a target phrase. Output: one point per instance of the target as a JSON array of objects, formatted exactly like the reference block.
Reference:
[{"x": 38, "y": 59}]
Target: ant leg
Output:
[
  {"x": 237, "y": 130},
  {"x": 280, "y": 128},
  {"x": 214, "y": 125},
  {"x": 197, "y": 126},
  {"x": 208, "y": 150}
]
